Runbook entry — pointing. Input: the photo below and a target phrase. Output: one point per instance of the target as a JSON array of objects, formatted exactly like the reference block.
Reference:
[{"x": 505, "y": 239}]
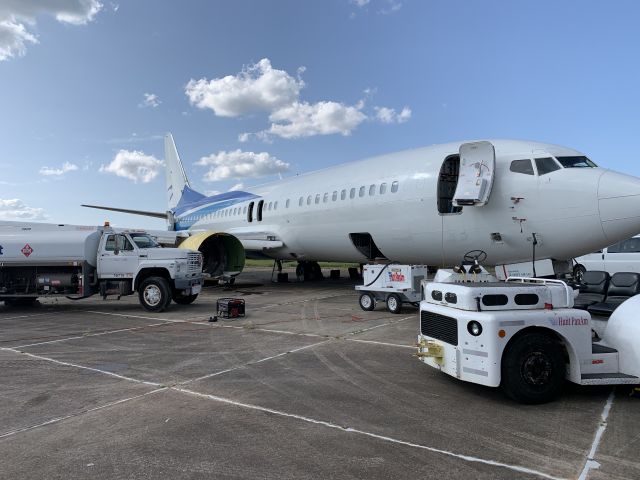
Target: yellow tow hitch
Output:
[{"x": 429, "y": 348}]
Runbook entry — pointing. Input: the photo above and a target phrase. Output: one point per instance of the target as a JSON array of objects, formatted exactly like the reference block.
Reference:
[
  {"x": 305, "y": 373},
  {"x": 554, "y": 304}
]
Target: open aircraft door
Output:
[{"x": 477, "y": 167}]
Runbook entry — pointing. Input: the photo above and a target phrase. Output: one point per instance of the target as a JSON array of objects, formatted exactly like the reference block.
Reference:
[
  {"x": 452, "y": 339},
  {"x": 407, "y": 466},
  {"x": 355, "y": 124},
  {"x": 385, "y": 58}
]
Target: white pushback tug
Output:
[{"x": 523, "y": 335}]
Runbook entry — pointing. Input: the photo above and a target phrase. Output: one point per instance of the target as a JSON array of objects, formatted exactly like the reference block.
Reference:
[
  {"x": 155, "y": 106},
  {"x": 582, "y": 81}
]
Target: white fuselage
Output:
[{"x": 572, "y": 211}]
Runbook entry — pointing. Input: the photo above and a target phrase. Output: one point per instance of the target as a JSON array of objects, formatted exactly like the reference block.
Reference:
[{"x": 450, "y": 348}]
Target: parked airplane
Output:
[{"x": 517, "y": 201}]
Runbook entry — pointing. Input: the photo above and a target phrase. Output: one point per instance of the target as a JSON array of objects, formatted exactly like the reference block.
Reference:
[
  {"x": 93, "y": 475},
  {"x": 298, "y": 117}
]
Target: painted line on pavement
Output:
[
  {"x": 591, "y": 463},
  {"x": 468, "y": 458}
]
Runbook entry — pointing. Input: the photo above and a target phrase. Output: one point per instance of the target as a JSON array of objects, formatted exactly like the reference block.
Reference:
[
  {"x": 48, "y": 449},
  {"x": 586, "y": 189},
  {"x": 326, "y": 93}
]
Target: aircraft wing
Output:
[{"x": 134, "y": 212}]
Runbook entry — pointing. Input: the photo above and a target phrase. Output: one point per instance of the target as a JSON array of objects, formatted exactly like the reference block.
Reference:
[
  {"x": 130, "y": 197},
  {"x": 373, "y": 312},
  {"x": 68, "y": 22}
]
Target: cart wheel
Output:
[
  {"x": 533, "y": 369},
  {"x": 367, "y": 302},
  {"x": 394, "y": 303}
]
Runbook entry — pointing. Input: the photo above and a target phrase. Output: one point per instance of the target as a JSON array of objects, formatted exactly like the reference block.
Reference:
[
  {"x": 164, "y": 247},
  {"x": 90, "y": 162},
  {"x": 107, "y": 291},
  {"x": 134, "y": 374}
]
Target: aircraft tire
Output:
[
  {"x": 367, "y": 302},
  {"x": 533, "y": 369},
  {"x": 154, "y": 294},
  {"x": 394, "y": 303}
]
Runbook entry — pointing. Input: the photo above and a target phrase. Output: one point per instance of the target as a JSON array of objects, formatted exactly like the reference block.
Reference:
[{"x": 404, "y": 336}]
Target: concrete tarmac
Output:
[{"x": 306, "y": 386}]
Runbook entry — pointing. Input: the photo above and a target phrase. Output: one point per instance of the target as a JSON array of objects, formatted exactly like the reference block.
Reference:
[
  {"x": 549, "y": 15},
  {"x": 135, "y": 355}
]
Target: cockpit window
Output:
[
  {"x": 546, "y": 165},
  {"x": 522, "y": 166},
  {"x": 576, "y": 162}
]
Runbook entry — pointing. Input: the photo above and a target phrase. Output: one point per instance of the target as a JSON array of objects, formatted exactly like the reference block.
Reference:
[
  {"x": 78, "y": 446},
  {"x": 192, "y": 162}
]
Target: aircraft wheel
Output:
[
  {"x": 533, "y": 369},
  {"x": 154, "y": 294},
  {"x": 394, "y": 303},
  {"x": 578, "y": 273},
  {"x": 367, "y": 302}
]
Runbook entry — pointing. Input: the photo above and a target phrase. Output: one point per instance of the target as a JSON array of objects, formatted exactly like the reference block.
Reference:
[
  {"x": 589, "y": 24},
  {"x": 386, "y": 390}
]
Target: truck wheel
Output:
[
  {"x": 394, "y": 303},
  {"x": 367, "y": 302},
  {"x": 533, "y": 369},
  {"x": 154, "y": 294},
  {"x": 578, "y": 273},
  {"x": 181, "y": 299}
]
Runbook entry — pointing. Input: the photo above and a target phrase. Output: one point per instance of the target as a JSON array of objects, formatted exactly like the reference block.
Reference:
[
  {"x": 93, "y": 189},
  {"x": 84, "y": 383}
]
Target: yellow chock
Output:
[{"x": 635, "y": 392}]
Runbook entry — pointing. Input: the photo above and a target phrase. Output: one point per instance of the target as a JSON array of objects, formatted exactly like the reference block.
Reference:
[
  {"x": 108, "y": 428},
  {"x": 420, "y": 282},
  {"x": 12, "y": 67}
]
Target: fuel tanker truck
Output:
[{"x": 77, "y": 262}]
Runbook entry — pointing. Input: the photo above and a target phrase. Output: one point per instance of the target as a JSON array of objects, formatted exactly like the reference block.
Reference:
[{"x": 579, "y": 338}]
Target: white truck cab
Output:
[{"x": 524, "y": 335}]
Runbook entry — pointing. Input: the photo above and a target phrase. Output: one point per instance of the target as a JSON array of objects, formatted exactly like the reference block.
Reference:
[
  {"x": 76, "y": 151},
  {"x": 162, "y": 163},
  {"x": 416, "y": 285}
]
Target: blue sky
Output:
[{"x": 88, "y": 88}]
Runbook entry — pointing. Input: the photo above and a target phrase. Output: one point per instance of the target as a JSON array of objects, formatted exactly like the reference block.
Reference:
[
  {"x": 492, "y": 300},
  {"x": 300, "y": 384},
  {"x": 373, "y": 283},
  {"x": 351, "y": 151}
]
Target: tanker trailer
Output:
[{"x": 83, "y": 261}]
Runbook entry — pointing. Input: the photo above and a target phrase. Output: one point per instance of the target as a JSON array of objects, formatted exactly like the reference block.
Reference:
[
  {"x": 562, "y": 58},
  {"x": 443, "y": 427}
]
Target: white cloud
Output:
[
  {"x": 134, "y": 165},
  {"x": 15, "y": 209},
  {"x": 52, "y": 171},
  {"x": 259, "y": 87},
  {"x": 17, "y": 15},
  {"x": 14, "y": 38},
  {"x": 211, "y": 193},
  {"x": 150, "y": 100},
  {"x": 360, "y": 3},
  {"x": 236, "y": 187},
  {"x": 322, "y": 118},
  {"x": 392, "y": 7},
  {"x": 389, "y": 115},
  {"x": 239, "y": 164}
]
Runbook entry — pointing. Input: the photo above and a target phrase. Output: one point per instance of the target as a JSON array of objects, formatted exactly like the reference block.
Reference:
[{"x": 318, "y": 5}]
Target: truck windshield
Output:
[
  {"x": 142, "y": 240},
  {"x": 576, "y": 162}
]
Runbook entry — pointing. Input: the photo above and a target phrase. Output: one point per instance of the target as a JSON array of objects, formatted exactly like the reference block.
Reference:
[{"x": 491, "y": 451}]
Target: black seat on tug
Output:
[
  {"x": 622, "y": 286},
  {"x": 593, "y": 289}
]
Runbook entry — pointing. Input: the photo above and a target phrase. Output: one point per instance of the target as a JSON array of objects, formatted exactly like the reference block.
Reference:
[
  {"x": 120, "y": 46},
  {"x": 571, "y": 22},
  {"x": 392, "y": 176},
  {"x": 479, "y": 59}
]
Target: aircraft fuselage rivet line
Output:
[
  {"x": 280, "y": 413},
  {"x": 590, "y": 462}
]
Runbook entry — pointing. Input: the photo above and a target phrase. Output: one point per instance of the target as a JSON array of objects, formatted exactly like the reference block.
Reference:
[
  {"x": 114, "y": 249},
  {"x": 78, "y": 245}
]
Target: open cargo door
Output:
[{"x": 477, "y": 167}]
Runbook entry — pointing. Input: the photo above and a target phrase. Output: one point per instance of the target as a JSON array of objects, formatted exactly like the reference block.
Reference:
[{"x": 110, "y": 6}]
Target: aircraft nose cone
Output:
[{"x": 619, "y": 204}]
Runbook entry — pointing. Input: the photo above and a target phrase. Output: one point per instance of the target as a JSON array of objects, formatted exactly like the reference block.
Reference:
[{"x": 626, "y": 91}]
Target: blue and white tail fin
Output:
[{"x": 179, "y": 190}]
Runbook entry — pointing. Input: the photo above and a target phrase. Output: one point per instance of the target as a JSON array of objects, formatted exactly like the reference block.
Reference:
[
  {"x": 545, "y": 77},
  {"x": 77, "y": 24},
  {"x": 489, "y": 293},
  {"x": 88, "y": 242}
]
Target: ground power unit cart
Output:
[{"x": 393, "y": 284}]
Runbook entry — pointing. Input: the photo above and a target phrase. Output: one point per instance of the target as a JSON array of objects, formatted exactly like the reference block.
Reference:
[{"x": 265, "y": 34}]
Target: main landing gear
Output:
[{"x": 309, "y": 271}]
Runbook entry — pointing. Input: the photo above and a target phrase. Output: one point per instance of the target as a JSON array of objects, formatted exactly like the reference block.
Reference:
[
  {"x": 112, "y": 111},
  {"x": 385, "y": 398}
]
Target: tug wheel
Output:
[
  {"x": 533, "y": 369},
  {"x": 394, "y": 303},
  {"x": 367, "y": 302}
]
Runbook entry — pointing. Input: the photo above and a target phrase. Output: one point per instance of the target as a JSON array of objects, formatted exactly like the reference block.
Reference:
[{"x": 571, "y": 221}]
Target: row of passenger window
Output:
[
  {"x": 362, "y": 191},
  {"x": 372, "y": 190}
]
